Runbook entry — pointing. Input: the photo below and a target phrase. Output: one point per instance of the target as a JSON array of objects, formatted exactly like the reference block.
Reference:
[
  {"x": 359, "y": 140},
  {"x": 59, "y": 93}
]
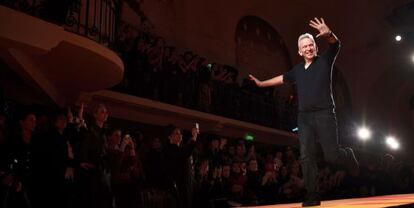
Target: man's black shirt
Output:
[{"x": 313, "y": 84}]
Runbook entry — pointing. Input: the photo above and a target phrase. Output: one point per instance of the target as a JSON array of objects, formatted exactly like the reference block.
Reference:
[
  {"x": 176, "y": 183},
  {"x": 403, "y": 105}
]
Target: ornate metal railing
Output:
[{"x": 95, "y": 19}]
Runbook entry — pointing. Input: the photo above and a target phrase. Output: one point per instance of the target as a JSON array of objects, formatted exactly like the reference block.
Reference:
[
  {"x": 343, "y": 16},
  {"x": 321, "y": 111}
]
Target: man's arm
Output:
[
  {"x": 278, "y": 80},
  {"x": 189, "y": 147},
  {"x": 324, "y": 30},
  {"x": 332, "y": 39}
]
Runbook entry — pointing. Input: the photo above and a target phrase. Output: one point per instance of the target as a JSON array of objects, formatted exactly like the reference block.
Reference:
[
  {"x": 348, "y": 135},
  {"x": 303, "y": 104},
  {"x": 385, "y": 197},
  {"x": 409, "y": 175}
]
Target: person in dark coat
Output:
[
  {"x": 94, "y": 178},
  {"x": 178, "y": 164},
  {"x": 54, "y": 163}
]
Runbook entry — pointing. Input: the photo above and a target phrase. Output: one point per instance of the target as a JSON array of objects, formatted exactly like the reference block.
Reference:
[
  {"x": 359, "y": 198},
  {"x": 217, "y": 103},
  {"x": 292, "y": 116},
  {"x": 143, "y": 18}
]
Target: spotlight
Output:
[
  {"x": 364, "y": 133},
  {"x": 398, "y": 38},
  {"x": 392, "y": 142},
  {"x": 412, "y": 58}
]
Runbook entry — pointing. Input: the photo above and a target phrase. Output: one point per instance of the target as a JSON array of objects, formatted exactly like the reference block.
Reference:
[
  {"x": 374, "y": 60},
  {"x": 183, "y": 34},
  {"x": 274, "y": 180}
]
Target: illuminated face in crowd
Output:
[
  {"x": 115, "y": 137},
  {"x": 156, "y": 143},
  {"x": 176, "y": 136},
  {"x": 226, "y": 171},
  {"x": 61, "y": 122},
  {"x": 240, "y": 150},
  {"x": 235, "y": 168},
  {"x": 215, "y": 144},
  {"x": 29, "y": 122},
  {"x": 253, "y": 165},
  {"x": 101, "y": 114}
]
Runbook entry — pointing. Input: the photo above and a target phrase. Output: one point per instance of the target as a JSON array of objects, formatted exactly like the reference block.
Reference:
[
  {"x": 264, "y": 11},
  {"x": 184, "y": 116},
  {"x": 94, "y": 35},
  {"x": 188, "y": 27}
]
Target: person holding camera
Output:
[{"x": 178, "y": 164}]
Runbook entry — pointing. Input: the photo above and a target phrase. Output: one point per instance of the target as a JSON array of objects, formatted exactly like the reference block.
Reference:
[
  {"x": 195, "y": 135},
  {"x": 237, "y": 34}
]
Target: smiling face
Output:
[{"x": 307, "y": 48}]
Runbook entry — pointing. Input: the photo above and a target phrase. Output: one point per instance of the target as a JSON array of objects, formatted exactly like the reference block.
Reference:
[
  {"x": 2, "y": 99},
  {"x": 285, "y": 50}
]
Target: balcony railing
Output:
[{"x": 95, "y": 19}]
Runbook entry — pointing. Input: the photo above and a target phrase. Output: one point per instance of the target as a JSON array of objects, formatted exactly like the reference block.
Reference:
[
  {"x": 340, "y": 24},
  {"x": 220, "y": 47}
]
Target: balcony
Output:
[
  {"x": 66, "y": 53},
  {"x": 63, "y": 50}
]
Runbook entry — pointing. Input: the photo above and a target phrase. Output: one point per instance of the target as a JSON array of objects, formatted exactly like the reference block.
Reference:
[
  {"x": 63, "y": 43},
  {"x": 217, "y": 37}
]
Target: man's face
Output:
[
  {"x": 215, "y": 144},
  {"x": 116, "y": 137},
  {"x": 236, "y": 167},
  {"x": 307, "y": 49},
  {"x": 279, "y": 155},
  {"x": 239, "y": 150},
  {"x": 156, "y": 143},
  {"x": 61, "y": 122},
  {"x": 176, "y": 137},
  {"x": 226, "y": 171},
  {"x": 284, "y": 170},
  {"x": 29, "y": 122},
  {"x": 253, "y": 165},
  {"x": 101, "y": 114}
]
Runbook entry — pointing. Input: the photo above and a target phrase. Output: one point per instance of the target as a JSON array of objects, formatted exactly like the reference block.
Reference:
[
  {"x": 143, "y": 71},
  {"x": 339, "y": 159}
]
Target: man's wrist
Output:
[{"x": 331, "y": 37}]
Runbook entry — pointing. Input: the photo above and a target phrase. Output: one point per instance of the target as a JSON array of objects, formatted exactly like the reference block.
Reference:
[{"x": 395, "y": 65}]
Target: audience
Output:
[
  {"x": 68, "y": 162},
  {"x": 156, "y": 71}
]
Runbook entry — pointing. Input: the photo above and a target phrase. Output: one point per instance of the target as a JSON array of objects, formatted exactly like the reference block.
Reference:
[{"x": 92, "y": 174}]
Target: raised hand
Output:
[
  {"x": 127, "y": 140},
  {"x": 69, "y": 173},
  {"x": 70, "y": 151},
  {"x": 320, "y": 25},
  {"x": 194, "y": 134},
  {"x": 80, "y": 112},
  {"x": 70, "y": 115},
  {"x": 87, "y": 166},
  {"x": 255, "y": 80}
]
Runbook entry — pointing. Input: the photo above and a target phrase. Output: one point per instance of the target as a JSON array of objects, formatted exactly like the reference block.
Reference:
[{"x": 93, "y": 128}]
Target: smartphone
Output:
[{"x": 197, "y": 127}]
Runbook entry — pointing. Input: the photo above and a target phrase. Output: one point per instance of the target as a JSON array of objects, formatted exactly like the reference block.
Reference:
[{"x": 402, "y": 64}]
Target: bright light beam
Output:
[{"x": 364, "y": 133}]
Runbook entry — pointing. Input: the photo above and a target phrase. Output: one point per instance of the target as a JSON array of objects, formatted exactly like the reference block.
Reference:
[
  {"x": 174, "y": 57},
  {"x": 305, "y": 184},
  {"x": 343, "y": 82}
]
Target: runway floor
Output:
[{"x": 369, "y": 202}]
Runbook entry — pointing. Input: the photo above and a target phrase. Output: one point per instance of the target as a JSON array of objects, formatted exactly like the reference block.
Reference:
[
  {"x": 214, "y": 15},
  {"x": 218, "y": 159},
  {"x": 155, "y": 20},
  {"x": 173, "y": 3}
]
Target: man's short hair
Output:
[
  {"x": 306, "y": 35},
  {"x": 97, "y": 107},
  {"x": 170, "y": 129}
]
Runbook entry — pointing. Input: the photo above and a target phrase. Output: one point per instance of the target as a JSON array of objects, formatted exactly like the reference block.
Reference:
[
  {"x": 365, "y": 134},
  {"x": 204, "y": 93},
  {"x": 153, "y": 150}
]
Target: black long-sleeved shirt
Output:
[
  {"x": 314, "y": 84},
  {"x": 177, "y": 161}
]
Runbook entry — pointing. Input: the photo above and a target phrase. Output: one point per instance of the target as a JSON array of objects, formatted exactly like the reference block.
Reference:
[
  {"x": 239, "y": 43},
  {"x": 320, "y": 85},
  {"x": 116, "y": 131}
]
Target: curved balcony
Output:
[{"x": 62, "y": 59}]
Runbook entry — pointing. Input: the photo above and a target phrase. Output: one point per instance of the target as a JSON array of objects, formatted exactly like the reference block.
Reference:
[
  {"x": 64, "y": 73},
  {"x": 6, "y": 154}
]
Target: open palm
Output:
[{"x": 319, "y": 24}]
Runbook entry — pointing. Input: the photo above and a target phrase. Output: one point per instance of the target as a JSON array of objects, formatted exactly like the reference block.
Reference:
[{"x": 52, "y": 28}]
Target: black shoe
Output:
[
  {"x": 352, "y": 163},
  {"x": 310, "y": 203},
  {"x": 311, "y": 200}
]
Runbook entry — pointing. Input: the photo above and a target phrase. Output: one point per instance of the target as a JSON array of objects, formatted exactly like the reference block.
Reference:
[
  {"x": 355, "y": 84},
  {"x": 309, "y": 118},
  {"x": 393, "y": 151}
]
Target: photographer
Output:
[{"x": 125, "y": 169}]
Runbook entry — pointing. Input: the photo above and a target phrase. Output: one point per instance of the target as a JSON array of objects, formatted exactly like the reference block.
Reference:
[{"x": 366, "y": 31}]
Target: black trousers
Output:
[{"x": 318, "y": 127}]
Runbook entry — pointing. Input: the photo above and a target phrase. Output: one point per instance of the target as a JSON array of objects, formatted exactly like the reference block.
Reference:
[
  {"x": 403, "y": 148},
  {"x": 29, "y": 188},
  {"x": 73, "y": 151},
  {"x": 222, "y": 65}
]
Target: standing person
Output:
[
  {"x": 54, "y": 163},
  {"x": 93, "y": 171},
  {"x": 16, "y": 165},
  {"x": 316, "y": 119},
  {"x": 178, "y": 164}
]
